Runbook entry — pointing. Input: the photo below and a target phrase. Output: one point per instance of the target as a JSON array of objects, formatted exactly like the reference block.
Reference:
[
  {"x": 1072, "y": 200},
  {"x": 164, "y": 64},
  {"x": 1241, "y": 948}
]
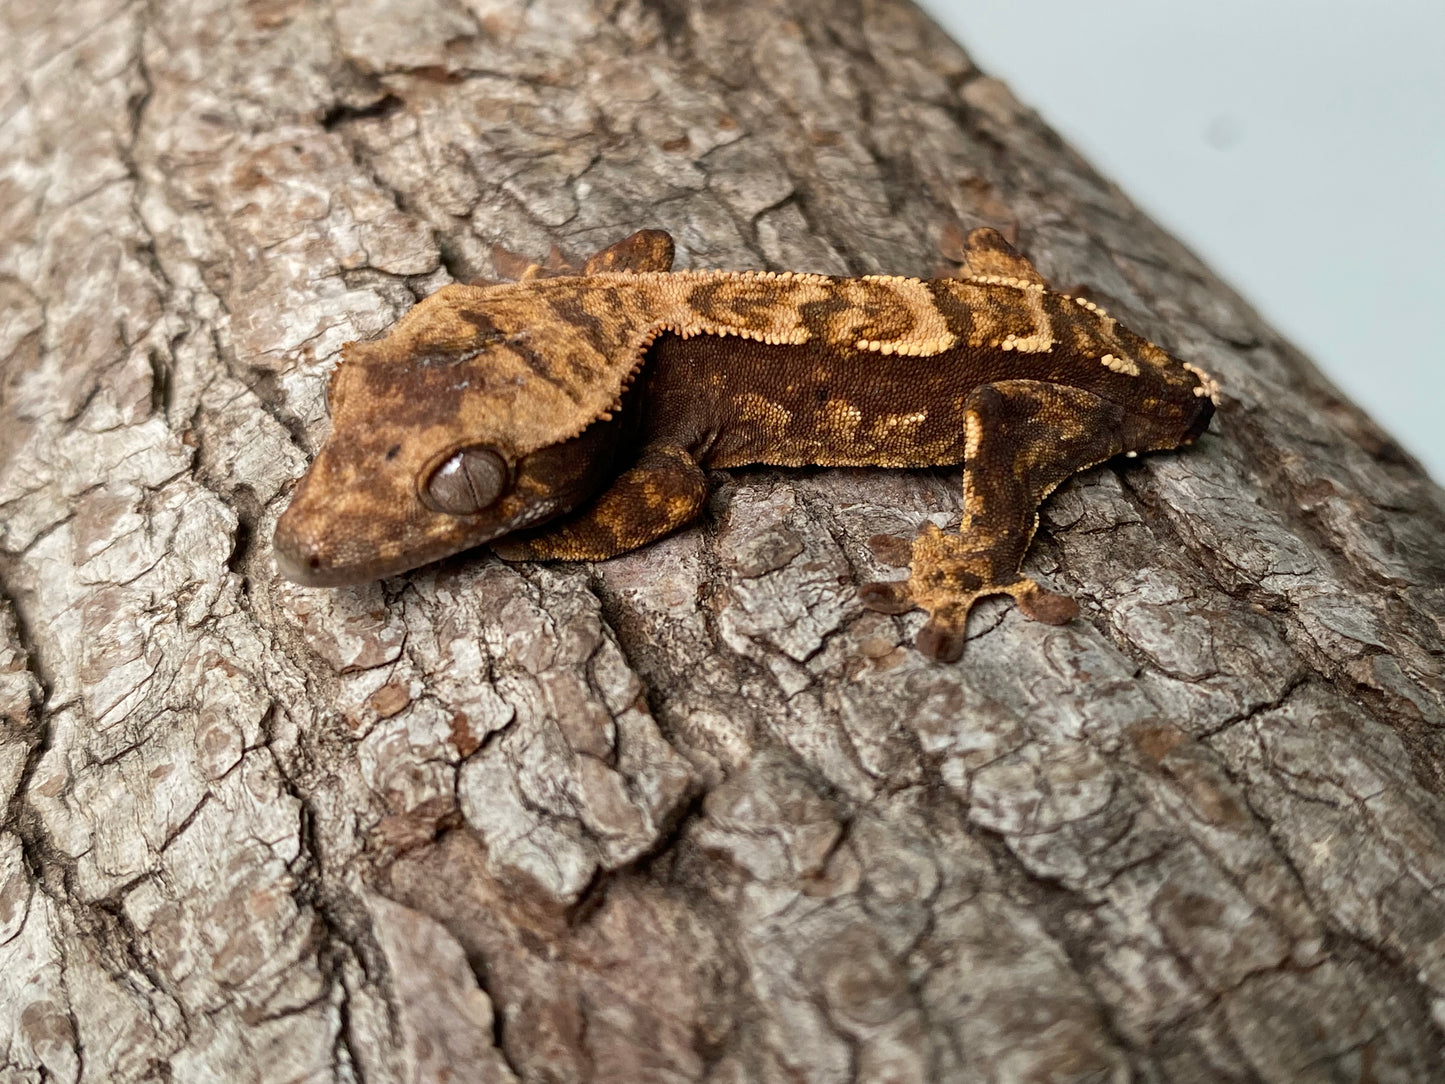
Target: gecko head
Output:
[{"x": 468, "y": 421}]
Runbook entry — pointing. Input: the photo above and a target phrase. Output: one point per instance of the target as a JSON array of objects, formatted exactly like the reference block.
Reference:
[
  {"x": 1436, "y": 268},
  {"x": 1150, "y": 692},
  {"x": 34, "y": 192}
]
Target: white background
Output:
[{"x": 1297, "y": 145}]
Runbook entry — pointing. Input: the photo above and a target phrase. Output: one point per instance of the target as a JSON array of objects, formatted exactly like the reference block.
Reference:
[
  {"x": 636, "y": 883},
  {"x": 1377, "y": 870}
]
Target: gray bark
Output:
[{"x": 690, "y": 814}]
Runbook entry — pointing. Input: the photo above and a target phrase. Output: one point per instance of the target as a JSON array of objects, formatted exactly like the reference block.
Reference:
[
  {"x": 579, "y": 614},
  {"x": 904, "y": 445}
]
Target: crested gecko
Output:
[{"x": 573, "y": 417}]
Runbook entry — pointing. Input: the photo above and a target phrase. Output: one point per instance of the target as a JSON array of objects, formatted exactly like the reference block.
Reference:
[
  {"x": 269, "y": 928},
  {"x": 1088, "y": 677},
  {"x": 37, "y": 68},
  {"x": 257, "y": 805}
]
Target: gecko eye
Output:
[{"x": 467, "y": 482}]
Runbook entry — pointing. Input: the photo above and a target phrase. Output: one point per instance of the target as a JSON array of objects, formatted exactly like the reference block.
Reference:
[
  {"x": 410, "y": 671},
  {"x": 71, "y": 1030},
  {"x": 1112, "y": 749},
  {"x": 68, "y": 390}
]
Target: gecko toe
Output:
[
  {"x": 940, "y": 640},
  {"x": 1039, "y": 604},
  {"x": 887, "y": 597}
]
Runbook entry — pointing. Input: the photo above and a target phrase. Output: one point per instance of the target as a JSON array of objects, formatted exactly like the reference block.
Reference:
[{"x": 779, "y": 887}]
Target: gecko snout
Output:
[
  {"x": 296, "y": 558},
  {"x": 308, "y": 551}
]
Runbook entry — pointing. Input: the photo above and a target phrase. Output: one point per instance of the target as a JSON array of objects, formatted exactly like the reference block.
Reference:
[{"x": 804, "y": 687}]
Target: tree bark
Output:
[{"x": 691, "y": 814}]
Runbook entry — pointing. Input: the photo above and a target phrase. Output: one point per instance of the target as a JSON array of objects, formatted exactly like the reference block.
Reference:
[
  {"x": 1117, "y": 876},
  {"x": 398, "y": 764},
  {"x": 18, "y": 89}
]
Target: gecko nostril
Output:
[{"x": 298, "y": 556}]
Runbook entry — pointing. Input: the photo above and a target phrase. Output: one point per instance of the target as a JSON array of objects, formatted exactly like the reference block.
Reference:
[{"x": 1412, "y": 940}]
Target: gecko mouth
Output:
[
  {"x": 310, "y": 566},
  {"x": 304, "y": 558},
  {"x": 340, "y": 553},
  {"x": 307, "y": 571},
  {"x": 305, "y": 565}
]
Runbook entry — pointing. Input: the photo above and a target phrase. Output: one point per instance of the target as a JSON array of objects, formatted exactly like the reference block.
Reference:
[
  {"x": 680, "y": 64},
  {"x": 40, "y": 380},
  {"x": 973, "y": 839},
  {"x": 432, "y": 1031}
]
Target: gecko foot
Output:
[{"x": 949, "y": 573}]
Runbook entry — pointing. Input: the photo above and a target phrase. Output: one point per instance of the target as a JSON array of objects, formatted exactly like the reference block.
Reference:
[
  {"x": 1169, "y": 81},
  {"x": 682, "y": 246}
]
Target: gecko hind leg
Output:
[{"x": 1024, "y": 438}]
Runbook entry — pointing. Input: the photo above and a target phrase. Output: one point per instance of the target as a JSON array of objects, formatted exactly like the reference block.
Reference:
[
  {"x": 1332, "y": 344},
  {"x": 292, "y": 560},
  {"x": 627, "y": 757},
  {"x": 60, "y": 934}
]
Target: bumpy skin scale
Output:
[{"x": 607, "y": 394}]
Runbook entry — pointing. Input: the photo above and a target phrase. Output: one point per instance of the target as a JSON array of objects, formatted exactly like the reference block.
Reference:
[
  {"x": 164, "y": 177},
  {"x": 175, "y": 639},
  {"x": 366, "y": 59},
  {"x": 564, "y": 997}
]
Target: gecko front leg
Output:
[
  {"x": 659, "y": 493},
  {"x": 1024, "y": 438}
]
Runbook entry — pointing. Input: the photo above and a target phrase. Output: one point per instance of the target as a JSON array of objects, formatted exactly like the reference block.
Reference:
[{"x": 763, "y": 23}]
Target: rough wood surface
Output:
[{"x": 691, "y": 814}]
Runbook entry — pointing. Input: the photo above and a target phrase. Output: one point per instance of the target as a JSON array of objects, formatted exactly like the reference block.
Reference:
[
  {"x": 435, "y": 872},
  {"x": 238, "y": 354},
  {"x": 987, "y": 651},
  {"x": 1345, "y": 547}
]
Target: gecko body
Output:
[{"x": 574, "y": 417}]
